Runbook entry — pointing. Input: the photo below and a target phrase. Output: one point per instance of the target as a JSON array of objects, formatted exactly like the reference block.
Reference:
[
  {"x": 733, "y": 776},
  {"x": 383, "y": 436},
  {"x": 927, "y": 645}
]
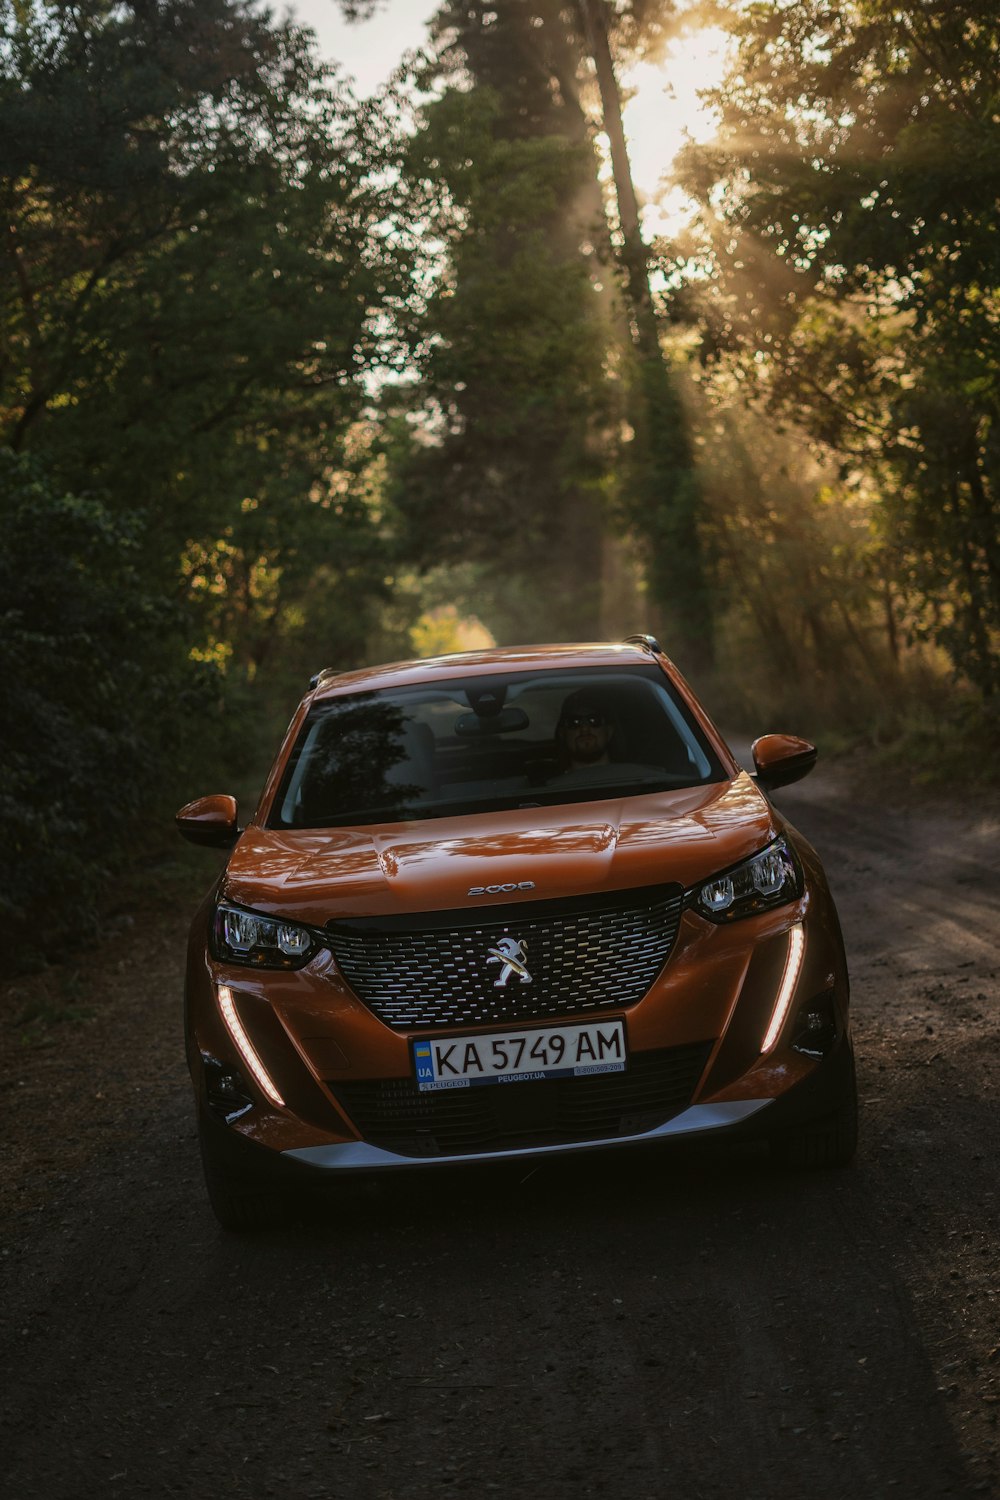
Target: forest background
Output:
[{"x": 292, "y": 380}]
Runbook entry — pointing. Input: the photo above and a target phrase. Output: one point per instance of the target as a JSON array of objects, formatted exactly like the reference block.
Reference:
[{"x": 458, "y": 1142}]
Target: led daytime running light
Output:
[
  {"x": 245, "y": 1046},
  {"x": 789, "y": 979}
]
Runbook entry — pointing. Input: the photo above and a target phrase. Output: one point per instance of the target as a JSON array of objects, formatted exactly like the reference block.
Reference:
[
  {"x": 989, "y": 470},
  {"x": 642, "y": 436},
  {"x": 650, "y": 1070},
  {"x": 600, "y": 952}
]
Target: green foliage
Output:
[
  {"x": 803, "y": 631},
  {"x": 853, "y": 270},
  {"x": 86, "y": 681},
  {"x": 940, "y": 740},
  {"x": 662, "y": 502},
  {"x": 193, "y": 267},
  {"x": 192, "y": 254},
  {"x": 292, "y": 587},
  {"x": 547, "y": 410},
  {"x": 505, "y": 458}
]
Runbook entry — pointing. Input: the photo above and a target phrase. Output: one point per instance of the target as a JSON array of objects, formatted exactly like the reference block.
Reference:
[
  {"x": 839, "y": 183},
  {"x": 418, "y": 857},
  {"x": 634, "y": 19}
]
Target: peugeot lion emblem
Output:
[{"x": 510, "y": 954}]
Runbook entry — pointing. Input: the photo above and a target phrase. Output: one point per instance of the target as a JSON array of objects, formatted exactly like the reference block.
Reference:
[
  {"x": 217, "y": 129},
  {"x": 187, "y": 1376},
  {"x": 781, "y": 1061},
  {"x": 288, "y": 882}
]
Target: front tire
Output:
[
  {"x": 830, "y": 1141},
  {"x": 240, "y": 1205}
]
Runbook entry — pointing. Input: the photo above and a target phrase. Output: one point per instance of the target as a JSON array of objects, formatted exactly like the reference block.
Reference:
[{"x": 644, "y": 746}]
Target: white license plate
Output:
[{"x": 457, "y": 1062}]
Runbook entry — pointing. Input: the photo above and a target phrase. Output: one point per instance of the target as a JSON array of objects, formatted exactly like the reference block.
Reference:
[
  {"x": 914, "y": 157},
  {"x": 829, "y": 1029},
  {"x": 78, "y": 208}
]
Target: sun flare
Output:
[{"x": 664, "y": 112}]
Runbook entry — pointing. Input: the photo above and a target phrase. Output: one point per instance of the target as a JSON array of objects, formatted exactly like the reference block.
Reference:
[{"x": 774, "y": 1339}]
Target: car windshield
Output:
[{"x": 490, "y": 741}]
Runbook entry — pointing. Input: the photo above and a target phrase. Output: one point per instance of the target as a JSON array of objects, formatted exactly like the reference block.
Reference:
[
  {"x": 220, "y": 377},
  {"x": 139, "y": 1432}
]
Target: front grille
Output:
[
  {"x": 394, "y": 1114},
  {"x": 596, "y": 953}
]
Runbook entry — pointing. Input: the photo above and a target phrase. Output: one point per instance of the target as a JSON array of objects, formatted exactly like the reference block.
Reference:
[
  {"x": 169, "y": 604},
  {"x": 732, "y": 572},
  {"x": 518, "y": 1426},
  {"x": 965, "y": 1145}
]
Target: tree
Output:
[
  {"x": 193, "y": 267},
  {"x": 191, "y": 235},
  {"x": 509, "y": 463},
  {"x": 541, "y": 59},
  {"x": 662, "y": 497},
  {"x": 852, "y": 264},
  {"x": 82, "y": 703}
]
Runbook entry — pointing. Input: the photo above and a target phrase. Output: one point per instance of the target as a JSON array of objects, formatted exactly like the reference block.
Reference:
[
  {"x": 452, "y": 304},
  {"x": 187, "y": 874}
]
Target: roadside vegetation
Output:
[{"x": 290, "y": 380}]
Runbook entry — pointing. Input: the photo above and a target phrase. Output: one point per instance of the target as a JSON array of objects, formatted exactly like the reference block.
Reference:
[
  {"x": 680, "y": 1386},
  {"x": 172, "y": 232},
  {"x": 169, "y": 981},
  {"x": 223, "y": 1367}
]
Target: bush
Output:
[{"x": 87, "y": 666}]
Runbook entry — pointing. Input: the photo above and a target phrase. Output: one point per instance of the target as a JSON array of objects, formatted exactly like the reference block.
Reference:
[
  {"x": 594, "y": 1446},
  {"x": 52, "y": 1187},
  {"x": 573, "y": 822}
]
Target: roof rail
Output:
[
  {"x": 323, "y": 672},
  {"x": 649, "y": 641}
]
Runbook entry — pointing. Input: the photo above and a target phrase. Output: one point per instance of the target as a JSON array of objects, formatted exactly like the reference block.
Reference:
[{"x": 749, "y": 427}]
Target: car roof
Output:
[{"x": 466, "y": 663}]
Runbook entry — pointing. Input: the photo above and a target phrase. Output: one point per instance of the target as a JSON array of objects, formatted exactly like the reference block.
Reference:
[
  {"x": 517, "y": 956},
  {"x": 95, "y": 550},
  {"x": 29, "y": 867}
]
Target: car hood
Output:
[{"x": 316, "y": 875}]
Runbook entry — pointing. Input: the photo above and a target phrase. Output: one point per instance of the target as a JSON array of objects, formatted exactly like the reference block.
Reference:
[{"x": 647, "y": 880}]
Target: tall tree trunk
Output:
[
  {"x": 981, "y": 661},
  {"x": 665, "y": 497},
  {"x": 634, "y": 259},
  {"x": 985, "y": 520}
]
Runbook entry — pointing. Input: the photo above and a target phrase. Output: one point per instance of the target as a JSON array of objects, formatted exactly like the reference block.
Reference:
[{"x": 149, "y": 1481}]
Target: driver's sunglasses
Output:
[{"x": 588, "y": 721}]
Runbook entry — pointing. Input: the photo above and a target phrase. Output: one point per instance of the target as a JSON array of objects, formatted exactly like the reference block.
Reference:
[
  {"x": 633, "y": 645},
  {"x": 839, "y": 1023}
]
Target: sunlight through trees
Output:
[{"x": 289, "y": 380}]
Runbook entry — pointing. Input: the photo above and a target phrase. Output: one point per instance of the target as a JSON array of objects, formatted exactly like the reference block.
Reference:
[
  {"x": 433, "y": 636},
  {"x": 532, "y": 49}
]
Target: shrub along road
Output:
[{"x": 689, "y": 1324}]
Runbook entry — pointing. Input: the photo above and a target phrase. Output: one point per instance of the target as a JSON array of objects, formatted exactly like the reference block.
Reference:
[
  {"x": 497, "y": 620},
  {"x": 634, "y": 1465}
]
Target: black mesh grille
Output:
[
  {"x": 393, "y": 1114},
  {"x": 598, "y": 953}
]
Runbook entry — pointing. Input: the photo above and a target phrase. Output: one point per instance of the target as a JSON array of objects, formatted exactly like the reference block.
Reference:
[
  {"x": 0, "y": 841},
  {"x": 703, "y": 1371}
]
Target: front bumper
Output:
[
  {"x": 359, "y": 1156},
  {"x": 816, "y": 1095}
]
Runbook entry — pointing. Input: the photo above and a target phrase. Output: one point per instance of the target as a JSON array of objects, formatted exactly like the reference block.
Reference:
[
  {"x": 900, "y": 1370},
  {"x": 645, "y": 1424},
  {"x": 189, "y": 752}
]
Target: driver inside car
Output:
[{"x": 583, "y": 734}]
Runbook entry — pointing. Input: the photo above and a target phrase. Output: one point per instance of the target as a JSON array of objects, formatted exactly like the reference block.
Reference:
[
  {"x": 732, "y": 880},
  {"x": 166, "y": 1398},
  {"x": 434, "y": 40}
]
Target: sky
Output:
[{"x": 367, "y": 50}]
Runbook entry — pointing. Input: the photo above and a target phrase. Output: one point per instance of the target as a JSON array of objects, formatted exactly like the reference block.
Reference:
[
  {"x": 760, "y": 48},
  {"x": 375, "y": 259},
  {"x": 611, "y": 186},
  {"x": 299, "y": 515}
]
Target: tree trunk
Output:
[
  {"x": 665, "y": 499},
  {"x": 634, "y": 260},
  {"x": 891, "y": 631}
]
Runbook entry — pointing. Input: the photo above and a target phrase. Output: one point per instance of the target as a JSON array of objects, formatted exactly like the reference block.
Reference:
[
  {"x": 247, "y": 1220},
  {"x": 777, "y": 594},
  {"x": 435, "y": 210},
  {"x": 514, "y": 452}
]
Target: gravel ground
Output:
[{"x": 690, "y": 1323}]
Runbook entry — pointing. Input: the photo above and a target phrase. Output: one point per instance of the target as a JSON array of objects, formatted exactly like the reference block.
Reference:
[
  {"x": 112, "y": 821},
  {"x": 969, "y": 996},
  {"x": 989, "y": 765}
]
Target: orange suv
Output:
[{"x": 508, "y": 904}]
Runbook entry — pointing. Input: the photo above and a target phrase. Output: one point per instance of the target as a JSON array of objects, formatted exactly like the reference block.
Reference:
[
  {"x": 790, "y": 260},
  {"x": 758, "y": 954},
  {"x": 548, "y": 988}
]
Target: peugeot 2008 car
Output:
[{"x": 505, "y": 904}]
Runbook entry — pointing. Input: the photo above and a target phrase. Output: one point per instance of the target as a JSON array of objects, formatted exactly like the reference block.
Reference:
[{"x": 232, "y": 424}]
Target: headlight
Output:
[
  {"x": 246, "y": 937},
  {"x": 770, "y": 878}
]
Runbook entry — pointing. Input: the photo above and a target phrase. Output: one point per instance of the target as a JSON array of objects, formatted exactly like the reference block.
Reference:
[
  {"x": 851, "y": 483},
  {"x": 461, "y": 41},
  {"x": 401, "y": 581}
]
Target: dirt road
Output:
[{"x": 685, "y": 1325}]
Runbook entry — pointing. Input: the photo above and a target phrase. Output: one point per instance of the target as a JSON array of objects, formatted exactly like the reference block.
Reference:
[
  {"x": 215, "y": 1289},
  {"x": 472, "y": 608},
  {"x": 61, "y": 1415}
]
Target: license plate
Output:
[{"x": 520, "y": 1056}]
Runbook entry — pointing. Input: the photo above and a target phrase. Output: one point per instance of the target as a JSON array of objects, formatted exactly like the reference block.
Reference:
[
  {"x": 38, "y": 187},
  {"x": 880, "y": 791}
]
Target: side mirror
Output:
[
  {"x": 210, "y": 821},
  {"x": 781, "y": 759}
]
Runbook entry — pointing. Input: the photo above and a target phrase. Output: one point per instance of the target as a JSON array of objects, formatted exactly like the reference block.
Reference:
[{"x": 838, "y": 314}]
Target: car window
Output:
[{"x": 490, "y": 742}]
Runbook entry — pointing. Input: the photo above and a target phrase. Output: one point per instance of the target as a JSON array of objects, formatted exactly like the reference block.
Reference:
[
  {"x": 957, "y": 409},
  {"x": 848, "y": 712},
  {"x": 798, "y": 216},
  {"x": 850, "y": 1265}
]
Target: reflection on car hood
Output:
[{"x": 318, "y": 874}]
